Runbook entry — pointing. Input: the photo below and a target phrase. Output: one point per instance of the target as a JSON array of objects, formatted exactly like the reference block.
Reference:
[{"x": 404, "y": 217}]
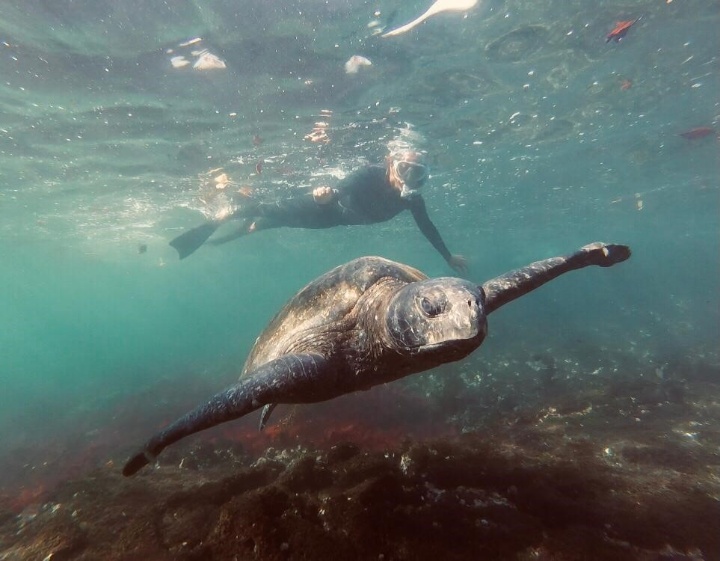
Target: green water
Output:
[{"x": 536, "y": 149}]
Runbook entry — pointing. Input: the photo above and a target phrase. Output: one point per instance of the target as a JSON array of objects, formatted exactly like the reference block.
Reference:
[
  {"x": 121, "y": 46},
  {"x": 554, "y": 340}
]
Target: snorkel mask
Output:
[{"x": 411, "y": 173}]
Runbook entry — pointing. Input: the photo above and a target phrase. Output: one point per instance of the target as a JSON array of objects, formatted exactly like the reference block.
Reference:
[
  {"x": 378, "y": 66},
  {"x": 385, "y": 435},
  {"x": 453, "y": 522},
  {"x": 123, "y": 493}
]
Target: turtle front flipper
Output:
[
  {"x": 506, "y": 288},
  {"x": 605, "y": 254},
  {"x": 302, "y": 378}
]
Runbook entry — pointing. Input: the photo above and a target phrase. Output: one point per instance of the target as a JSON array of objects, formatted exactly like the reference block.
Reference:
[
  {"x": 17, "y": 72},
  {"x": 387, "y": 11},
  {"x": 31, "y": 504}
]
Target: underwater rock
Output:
[
  {"x": 555, "y": 129},
  {"x": 454, "y": 84},
  {"x": 517, "y": 45},
  {"x": 513, "y": 492},
  {"x": 605, "y": 464}
]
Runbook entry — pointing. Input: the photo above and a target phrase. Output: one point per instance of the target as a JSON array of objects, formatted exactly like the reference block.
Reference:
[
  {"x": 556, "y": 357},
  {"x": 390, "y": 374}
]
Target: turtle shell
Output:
[{"x": 321, "y": 312}]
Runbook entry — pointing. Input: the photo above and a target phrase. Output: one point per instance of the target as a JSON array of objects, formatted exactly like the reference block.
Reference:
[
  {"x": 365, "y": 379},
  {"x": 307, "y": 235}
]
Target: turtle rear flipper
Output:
[{"x": 265, "y": 415}]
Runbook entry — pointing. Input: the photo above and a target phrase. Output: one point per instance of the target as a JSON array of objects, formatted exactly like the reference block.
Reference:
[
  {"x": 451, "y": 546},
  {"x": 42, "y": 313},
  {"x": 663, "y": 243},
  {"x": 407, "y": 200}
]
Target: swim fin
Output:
[{"x": 189, "y": 241}]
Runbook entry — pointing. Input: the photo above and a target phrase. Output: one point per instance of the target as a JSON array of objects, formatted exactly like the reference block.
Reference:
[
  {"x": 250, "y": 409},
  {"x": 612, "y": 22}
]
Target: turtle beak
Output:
[{"x": 462, "y": 321}]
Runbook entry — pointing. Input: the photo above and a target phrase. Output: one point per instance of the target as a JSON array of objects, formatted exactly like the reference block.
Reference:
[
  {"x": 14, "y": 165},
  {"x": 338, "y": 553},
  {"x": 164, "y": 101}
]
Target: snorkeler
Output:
[{"x": 369, "y": 195}]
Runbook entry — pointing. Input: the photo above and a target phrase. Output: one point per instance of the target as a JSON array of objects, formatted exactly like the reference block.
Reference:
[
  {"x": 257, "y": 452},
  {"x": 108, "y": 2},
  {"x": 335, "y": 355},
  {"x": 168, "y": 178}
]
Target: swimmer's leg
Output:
[
  {"x": 239, "y": 232},
  {"x": 188, "y": 242},
  {"x": 248, "y": 226}
]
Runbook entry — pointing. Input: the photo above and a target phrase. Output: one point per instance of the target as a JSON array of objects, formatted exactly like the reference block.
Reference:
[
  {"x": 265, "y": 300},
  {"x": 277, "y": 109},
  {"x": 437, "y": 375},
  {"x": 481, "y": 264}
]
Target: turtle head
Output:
[{"x": 442, "y": 317}]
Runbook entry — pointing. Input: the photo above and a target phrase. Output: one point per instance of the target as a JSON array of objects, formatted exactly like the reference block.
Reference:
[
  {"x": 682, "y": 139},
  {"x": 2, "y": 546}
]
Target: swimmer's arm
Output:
[
  {"x": 419, "y": 212},
  {"x": 428, "y": 229}
]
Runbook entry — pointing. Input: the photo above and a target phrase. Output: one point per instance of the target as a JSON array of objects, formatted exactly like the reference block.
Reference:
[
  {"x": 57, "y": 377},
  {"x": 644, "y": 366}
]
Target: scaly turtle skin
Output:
[{"x": 365, "y": 323}]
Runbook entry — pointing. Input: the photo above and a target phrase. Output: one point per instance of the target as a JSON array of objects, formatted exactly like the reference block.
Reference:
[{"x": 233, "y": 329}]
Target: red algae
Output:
[{"x": 395, "y": 415}]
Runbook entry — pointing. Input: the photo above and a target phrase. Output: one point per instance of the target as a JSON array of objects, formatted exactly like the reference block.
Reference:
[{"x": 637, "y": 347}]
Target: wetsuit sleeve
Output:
[{"x": 428, "y": 229}]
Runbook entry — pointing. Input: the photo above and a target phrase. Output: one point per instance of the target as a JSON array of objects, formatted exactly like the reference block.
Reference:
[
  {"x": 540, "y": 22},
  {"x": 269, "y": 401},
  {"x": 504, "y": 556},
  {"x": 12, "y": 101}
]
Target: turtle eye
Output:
[{"x": 432, "y": 308}]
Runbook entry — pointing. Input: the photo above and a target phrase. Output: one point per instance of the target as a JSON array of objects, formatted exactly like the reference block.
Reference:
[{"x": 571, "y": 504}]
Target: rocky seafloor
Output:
[{"x": 623, "y": 469}]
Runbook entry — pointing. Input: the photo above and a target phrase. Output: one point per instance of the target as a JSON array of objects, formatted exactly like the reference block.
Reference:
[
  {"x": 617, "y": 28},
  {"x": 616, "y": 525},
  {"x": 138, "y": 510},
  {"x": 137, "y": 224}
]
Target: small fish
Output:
[
  {"x": 142, "y": 248},
  {"x": 620, "y": 30},
  {"x": 259, "y": 167},
  {"x": 698, "y": 132}
]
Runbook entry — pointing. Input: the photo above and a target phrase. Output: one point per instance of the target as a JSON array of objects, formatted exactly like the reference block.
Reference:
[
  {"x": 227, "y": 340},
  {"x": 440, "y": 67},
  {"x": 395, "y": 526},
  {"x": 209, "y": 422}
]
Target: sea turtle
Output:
[{"x": 365, "y": 323}]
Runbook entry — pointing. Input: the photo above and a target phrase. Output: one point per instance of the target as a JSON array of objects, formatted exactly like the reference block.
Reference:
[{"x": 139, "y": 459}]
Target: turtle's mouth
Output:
[
  {"x": 443, "y": 344},
  {"x": 441, "y": 337},
  {"x": 449, "y": 338},
  {"x": 460, "y": 330}
]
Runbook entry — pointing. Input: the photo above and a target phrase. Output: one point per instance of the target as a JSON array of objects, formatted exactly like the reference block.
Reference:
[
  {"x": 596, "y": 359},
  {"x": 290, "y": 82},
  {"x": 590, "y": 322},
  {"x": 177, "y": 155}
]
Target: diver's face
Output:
[{"x": 411, "y": 174}]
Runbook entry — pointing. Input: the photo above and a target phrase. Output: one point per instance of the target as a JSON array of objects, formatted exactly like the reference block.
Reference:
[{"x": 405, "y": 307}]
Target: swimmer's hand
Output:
[
  {"x": 458, "y": 263},
  {"x": 223, "y": 214},
  {"x": 324, "y": 195}
]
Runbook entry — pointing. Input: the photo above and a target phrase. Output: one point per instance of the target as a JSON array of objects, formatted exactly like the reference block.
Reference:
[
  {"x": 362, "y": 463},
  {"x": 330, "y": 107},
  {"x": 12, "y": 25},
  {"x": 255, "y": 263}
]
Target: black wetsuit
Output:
[{"x": 363, "y": 197}]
